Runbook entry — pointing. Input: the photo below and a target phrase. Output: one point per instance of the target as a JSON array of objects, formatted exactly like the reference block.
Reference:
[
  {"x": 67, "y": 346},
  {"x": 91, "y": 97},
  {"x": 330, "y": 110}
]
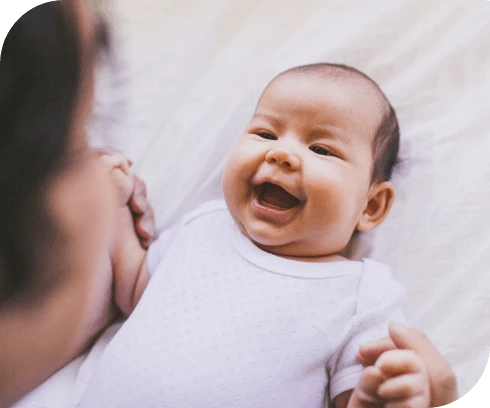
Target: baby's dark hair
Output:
[{"x": 386, "y": 140}]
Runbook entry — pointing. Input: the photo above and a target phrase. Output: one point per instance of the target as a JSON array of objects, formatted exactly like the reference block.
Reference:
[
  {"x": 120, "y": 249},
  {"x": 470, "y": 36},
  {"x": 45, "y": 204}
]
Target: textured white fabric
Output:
[{"x": 225, "y": 324}]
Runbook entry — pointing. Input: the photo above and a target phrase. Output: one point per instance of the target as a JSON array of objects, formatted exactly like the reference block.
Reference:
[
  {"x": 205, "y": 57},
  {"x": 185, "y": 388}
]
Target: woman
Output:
[{"x": 57, "y": 208}]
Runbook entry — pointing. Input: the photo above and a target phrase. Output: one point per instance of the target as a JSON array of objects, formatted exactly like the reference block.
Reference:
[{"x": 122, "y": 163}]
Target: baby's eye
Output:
[
  {"x": 267, "y": 136},
  {"x": 320, "y": 150}
]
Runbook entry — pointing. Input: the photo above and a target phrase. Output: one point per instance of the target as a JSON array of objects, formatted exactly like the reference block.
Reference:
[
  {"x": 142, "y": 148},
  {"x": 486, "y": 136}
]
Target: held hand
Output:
[
  {"x": 442, "y": 379},
  {"x": 398, "y": 379},
  {"x": 365, "y": 394},
  {"x": 406, "y": 381},
  {"x": 131, "y": 191},
  {"x": 118, "y": 168}
]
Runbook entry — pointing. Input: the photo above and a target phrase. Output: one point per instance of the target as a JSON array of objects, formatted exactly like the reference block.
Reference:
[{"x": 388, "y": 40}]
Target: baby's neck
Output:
[
  {"x": 336, "y": 257},
  {"x": 295, "y": 254},
  {"x": 323, "y": 258}
]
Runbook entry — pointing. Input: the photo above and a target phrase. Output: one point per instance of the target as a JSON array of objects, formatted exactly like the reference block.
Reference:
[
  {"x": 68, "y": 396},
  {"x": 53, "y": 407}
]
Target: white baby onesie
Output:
[{"x": 225, "y": 324}]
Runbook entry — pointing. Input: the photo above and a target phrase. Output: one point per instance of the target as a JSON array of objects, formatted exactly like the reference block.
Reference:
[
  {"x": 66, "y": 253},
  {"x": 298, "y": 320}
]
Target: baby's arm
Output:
[
  {"x": 128, "y": 259},
  {"x": 128, "y": 256},
  {"x": 398, "y": 379}
]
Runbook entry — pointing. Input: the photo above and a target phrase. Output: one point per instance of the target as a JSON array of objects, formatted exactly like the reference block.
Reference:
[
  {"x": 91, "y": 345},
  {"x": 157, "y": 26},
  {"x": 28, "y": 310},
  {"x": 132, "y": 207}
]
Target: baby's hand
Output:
[
  {"x": 443, "y": 384},
  {"x": 131, "y": 192},
  {"x": 119, "y": 168},
  {"x": 398, "y": 379},
  {"x": 128, "y": 249}
]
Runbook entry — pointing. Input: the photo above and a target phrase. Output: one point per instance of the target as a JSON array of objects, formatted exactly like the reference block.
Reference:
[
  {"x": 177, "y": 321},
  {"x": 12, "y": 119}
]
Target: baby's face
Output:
[{"x": 298, "y": 179}]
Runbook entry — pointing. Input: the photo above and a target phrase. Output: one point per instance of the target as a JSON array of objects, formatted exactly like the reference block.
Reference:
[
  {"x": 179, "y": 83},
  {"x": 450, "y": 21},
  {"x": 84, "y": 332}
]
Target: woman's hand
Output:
[{"x": 441, "y": 375}]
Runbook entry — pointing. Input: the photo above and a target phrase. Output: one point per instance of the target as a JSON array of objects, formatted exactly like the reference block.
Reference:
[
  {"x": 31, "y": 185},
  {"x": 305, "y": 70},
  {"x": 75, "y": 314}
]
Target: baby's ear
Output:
[{"x": 380, "y": 200}]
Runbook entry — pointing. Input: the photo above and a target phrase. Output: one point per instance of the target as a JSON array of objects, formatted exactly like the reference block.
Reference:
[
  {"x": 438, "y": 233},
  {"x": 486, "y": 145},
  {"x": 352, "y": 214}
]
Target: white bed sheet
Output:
[{"x": 189, "y": 74}]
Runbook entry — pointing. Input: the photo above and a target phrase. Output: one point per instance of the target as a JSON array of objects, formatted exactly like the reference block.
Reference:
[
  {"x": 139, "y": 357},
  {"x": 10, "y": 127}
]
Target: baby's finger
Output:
[
  {"x": 365, "y": 394},
  {"x": 138, "y": 202},
  {"x": 145, "y": 225},
  {"x": 443, "y": 381},
  {"x": 370, "y": 352},
  {"x": 123, "y": 184},
  {"x": 415, "y": 402},
  {"x": 145, "y": 244},
  {"x": 404, "y": 387},
  {"x": 397, "y": 362}
]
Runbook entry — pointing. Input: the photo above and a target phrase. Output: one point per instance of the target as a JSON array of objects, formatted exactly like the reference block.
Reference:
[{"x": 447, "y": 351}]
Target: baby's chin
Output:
[{"x": 265, "y": 236}]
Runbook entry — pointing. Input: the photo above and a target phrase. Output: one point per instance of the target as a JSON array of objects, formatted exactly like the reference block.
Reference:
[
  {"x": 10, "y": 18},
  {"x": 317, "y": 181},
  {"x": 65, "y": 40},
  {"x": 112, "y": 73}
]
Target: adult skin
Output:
[{"x": 58, "y": 206}]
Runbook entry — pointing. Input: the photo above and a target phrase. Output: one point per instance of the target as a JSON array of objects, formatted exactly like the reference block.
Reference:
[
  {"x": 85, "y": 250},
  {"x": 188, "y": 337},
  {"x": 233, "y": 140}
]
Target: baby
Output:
[{"x": 252, "y": 301}]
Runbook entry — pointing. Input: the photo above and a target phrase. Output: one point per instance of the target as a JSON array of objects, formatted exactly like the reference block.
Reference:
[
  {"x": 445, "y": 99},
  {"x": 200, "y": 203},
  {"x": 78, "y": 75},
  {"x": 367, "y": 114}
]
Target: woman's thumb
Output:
[{"x": 407, "y": 338}]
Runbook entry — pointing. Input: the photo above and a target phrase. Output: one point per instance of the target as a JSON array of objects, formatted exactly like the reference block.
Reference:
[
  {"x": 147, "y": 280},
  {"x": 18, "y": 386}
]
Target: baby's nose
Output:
[{"x": 283, "y": 158}]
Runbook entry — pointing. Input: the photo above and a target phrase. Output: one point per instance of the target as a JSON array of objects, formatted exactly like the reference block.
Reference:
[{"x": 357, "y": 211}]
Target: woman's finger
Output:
[{"x": 370, "y": 352}]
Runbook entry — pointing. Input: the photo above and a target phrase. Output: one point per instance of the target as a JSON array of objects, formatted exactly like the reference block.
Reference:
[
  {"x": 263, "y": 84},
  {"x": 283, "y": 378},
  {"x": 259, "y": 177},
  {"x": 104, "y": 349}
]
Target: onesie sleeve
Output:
[
  {"x": 379, "y": 301},
  {"x": 159, "y": 248}
]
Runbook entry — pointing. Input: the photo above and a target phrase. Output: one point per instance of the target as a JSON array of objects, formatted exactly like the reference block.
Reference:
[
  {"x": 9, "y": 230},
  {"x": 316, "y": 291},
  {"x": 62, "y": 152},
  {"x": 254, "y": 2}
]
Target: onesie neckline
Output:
[{"x": 289, "y": 267}]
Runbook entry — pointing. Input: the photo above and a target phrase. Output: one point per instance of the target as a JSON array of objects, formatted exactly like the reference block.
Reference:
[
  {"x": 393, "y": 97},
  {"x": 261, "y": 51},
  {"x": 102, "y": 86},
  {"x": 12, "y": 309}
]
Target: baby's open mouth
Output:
[{"x": 274, "y": 196}]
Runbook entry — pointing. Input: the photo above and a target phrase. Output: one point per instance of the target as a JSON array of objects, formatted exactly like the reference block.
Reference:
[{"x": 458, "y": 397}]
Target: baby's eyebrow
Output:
[
  {"x": 270, "y": 118},
  {"x": 330, "y": 132},
  {"x": 327, "y": 131}
]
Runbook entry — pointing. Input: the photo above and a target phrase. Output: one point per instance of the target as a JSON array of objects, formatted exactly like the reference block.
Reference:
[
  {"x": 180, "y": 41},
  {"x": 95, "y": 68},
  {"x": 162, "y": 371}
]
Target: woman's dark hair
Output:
[{"x": 39, "y": 80}]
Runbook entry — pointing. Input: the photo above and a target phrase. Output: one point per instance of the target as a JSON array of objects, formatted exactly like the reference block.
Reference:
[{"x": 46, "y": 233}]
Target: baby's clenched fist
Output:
[
  {"x": 118, "y": 167},
  {"x": 399, "y": 379}
]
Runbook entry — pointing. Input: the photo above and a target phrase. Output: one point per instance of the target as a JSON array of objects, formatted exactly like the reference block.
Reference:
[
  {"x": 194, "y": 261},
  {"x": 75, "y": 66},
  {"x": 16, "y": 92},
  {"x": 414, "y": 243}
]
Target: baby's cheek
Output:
[
  {"x": 333, "y": 204},
  {"x": 237, "y": 170}
]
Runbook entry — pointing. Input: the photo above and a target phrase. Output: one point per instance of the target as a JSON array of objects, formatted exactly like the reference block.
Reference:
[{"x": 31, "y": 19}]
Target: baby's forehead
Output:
[
  {"x": 354, "y": 83},
  {"x": 349, "y": 93}
]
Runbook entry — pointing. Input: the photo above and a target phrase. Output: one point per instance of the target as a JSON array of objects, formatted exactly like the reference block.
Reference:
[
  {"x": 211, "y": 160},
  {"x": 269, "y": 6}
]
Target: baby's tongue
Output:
[{"x": 276, "y": 196}]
